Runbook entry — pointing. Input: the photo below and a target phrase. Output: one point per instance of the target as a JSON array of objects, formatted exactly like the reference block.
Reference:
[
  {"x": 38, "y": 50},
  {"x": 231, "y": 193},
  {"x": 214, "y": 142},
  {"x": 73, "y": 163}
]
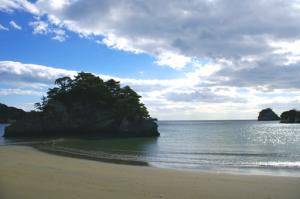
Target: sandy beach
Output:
[{"x": 28, "y": 173}]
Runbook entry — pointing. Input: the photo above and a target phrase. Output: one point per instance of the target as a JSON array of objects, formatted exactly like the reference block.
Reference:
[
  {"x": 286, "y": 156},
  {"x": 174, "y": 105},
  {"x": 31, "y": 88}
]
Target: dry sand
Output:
[{"x": 28, "y": 173}]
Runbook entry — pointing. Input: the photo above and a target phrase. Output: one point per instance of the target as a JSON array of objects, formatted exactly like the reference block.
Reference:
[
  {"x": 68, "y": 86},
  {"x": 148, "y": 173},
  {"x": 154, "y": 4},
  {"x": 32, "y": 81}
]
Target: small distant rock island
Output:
[
  {"x": 86, "y": 105},
  {"x": 291, "y": 116},
  {"x": 268, "y": 115}
]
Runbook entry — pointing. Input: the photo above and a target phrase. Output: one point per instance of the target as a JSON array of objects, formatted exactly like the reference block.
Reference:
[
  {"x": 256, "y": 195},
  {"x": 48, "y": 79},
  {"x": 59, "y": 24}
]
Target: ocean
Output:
[{"x": 243, "y": 147}]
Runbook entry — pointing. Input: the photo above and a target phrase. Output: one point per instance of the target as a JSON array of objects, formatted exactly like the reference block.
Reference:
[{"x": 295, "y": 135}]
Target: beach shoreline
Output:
[
  {"x": 83, "y": 155},
  {"x": 68, "y": 152},
  {"x": 29, "y": 173}
]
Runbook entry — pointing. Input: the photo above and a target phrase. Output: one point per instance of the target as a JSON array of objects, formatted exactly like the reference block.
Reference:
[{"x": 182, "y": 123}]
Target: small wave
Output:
[
  {"x": 279, "y": 164},
  {"x": 217, "y": 166},
  {"x": 236, "y": 154},
  {"x": 207, "y": 153}
]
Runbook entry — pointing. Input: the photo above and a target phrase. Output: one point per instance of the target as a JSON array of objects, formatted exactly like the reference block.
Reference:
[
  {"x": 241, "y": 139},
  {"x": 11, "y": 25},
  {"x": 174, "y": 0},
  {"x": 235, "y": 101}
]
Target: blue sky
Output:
[{"x": 188, "y": 60}]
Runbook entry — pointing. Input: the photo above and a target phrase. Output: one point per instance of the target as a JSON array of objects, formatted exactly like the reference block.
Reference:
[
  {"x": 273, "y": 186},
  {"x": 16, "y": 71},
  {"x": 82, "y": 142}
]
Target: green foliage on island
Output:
[
  {"x": 9, "y": 114},
  {"x": 87, "y": 105}
]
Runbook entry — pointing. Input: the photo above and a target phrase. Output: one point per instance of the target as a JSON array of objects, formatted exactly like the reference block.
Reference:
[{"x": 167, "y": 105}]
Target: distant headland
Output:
[
  {"x": 291, "y": 116},
  {"x": 85, "y": 105},
  {"x": 9, "y": 114}
]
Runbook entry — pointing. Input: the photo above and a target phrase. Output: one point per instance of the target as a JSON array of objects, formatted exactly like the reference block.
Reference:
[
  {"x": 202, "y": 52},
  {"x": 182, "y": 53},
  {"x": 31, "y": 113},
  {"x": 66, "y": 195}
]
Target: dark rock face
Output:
[
  {"x": 267, "y": 115},
  {"x": 139, "y": 129},
  {"x": 291, "y": 116},
  {"x": 9, "y": 114},
  {"x": 39, "y": 124},
  {"x": 87, "y": 106}
]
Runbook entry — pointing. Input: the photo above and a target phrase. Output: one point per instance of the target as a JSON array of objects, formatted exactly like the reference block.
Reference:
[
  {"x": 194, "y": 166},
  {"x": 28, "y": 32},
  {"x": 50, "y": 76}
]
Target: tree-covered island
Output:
[{"x": 87, "y": 105}]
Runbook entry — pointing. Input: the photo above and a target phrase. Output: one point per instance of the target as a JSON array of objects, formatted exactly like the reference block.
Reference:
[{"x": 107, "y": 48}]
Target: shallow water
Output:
[{"x": 218, "y": 146}]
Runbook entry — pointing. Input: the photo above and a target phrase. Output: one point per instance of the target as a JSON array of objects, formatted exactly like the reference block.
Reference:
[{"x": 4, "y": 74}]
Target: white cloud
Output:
[
  {"x": 44, "y": 28},
  {"x": 59, "y": 35},
  {"x": 291, "y": 50},
  {"x": 119, "y": 43},
  {"x": 15, "y": 25},
  {"x": 11, "y": 71},
  {"x": 11, "y": 5},
  {"x": 58, "y": 4},
  {"x": 16, "y": 91},
  {"x": 175, "y": 61},
  {"x": 39, "y": 27},
  {"x": 3, "y": 28}
]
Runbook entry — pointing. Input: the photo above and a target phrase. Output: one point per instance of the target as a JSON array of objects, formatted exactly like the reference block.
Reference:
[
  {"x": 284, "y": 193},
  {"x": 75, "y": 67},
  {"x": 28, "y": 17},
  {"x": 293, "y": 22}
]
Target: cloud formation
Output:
[
  {"x": 11, "y": 5},
  {"x": 194, "y": 96},
  {"x": 30, "y": 74},
  {"x": 44, "y": 28},
  {"x": 176, "y": 32},
  {"x": 3, "y": 28},
  {"x": 202, "y": 95},
  {"x": 16, "y": 91},
  {"x": 15, "y": 25}
]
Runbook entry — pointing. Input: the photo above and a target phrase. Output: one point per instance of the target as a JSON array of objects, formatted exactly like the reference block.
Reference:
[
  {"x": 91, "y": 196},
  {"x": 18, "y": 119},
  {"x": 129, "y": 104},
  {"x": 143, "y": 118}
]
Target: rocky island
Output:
[
  {"x": 86, "y": 105},
  {"x": 291, "y": 116},
  {"x": 268, "y": 115}
]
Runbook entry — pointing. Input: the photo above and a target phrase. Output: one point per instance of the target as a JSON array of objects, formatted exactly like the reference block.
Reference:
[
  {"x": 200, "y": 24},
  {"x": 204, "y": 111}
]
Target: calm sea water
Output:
[{"x": 218, "y": 146}]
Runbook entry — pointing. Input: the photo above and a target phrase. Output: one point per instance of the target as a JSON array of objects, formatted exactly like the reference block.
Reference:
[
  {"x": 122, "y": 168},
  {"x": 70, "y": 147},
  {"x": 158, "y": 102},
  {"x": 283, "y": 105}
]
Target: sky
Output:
[{"x": 193, "y": 59}]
